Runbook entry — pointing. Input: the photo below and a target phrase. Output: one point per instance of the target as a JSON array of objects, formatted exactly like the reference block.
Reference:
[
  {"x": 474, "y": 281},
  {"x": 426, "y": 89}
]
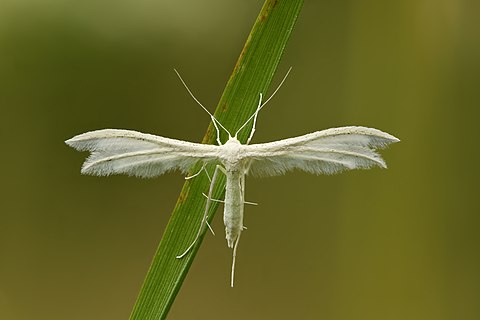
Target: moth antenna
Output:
[
  {"x": 233, "y": 259},
  {"x": 214, "y": 120},
  {"x": 255, "y": 115},
  {"x": 278, "y": 88},
  {"x": 261, "y": 105}
]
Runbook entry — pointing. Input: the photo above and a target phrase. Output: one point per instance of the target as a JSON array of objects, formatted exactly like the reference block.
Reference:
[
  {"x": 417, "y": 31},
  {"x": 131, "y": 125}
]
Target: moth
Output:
[{"x": 116, "y": 151}]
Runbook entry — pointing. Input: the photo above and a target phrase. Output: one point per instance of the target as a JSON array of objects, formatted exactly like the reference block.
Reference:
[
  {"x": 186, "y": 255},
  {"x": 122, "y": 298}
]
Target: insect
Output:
[{"x": 129, "y": 152}]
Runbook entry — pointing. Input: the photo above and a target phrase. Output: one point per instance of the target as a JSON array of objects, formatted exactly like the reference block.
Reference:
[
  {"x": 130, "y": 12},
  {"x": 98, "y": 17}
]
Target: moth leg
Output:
[
  {"x": 208, "y": 176},
  {"x": 242, "y": 187},
  {"x": 196, "y": 174},
  {"x": 210, "y": 227},
  {"x": 219, "y": 167},
  {"x": 242, "y": 190},
  {"x": 214, "y": 200},
  {"x": 255, "y": 119},
  {"x": 209, "y": 197},
  {"x": 233, "y": 259},
  {"x": 205, "y": 214}
]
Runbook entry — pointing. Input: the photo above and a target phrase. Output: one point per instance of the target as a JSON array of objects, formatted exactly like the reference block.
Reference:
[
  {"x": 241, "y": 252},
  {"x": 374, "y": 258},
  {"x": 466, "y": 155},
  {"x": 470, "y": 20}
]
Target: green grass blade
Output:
[{"x": 251, "y": 76}]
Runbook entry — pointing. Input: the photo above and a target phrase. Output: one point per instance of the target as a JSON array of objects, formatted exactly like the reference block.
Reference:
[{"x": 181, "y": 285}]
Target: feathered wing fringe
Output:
[
  {"x": 322, "y": 152},
  {"x": 138, "y": 154}
]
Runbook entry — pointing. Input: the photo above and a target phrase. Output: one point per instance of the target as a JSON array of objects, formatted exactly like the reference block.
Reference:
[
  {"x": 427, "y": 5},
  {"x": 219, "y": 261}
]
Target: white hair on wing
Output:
[
  {"x": 137, "y": 154},
  {"x": 322, "y": 152}
]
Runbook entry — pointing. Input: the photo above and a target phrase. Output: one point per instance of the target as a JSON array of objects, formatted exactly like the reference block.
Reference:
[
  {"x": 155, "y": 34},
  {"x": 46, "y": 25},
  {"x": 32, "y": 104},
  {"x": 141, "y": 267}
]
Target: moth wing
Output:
[
  {"x": 322, "y": 152},
  {"x": 133, "y": 153}
]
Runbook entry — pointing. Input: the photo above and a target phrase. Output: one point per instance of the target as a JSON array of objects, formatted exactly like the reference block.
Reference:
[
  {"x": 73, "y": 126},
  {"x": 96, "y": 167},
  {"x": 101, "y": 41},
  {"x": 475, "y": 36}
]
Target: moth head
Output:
[{"x": 232, "y": 141}]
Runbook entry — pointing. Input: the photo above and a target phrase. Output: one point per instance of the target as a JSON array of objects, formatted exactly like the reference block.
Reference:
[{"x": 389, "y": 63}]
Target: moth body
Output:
[
  {"x": 233, "y": 208},
  {"x": 234, "y": 169}
]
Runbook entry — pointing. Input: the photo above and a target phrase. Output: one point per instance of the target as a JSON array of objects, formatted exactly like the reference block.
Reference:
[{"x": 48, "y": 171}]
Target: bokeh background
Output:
[{"x": 401, "y": 243}]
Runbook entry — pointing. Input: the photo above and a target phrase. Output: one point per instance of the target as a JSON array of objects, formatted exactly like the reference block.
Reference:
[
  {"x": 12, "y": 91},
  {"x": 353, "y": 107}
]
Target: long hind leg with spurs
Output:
[{"x": 205, "y": 214}]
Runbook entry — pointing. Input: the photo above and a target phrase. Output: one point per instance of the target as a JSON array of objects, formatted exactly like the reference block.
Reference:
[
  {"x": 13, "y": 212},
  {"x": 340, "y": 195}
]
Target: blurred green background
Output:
[{"x": 401, "y": 243}]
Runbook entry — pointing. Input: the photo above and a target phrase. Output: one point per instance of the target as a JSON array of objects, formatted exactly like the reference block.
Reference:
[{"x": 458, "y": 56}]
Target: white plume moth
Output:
[{"x": 329, "y": 151}]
